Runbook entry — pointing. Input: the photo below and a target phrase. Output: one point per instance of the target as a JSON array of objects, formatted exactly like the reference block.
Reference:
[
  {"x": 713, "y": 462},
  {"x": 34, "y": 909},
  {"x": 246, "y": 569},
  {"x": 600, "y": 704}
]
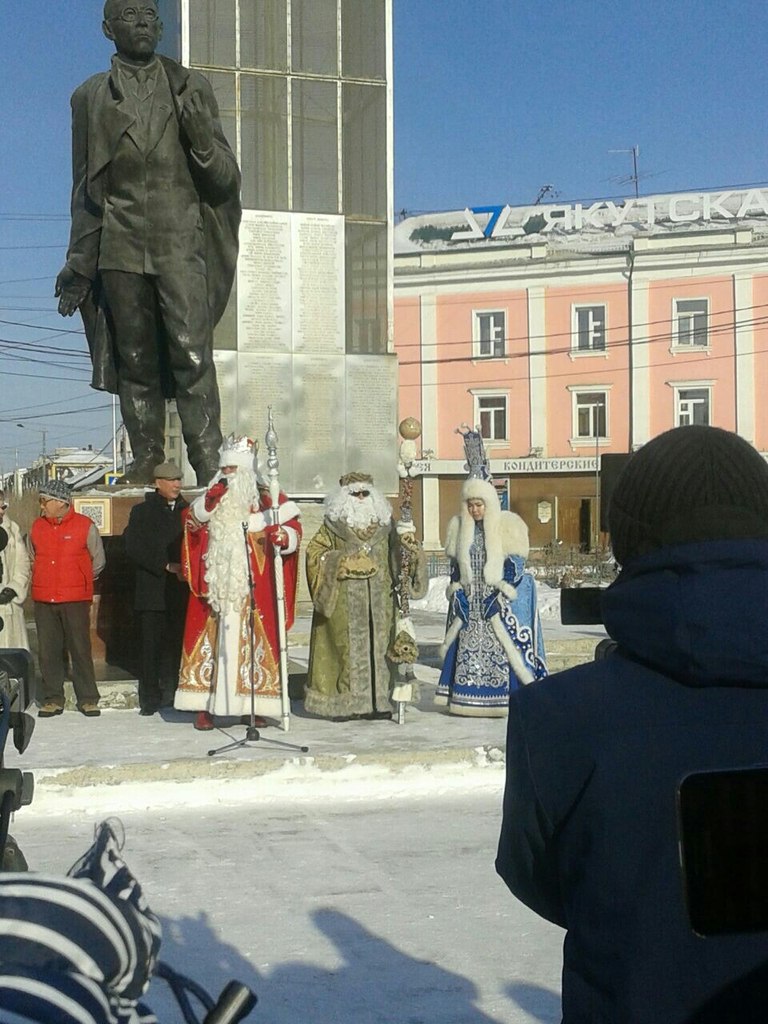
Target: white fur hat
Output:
[
  {"x": 238, "y": 451},
  {"x": 483, "y": 490}
]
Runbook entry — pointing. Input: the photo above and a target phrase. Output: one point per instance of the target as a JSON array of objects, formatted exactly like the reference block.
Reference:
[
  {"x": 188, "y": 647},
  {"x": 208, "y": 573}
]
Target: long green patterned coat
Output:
[{"x": 354, "y": 617}]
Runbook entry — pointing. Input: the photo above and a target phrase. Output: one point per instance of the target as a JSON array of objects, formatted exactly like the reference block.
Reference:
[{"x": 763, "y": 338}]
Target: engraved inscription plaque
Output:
[
  {"x": 318, "y": 395},
  {"x": 317, "y": 248},
  {"x": 226, "y": 377},
  {"x": 264, "y": 282},
  {"x": 265, "y": 380},
  {"x": 334, "y": 411},
  {"x": 371, "y": 417}
]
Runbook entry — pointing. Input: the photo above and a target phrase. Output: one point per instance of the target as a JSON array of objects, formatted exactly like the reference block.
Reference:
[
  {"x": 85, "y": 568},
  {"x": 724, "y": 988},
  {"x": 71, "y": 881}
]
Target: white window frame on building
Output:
[
  {"x": 690, "y": 325},
  {"x": 494, "y": 346},
  {"x": 492, "y": 416},
  {"x": 588, "y": 329},
  {"x": 690, "y": 397},
  {"x": 583, "y": 400}
]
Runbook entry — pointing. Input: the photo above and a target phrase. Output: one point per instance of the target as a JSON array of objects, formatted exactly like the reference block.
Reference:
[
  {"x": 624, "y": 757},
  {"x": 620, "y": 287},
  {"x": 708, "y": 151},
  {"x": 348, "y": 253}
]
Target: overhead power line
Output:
[
  {"x": 66, "y": 412},
  {"x": 38, "y": 327}
]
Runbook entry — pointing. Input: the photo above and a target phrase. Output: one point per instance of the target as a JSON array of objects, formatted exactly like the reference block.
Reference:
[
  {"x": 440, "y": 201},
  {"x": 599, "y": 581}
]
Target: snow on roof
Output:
[{"x": 585, "y": 227}]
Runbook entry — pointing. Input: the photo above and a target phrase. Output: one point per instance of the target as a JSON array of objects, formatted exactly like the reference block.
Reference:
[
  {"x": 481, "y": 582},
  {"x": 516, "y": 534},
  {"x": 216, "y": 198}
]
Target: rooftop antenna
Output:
[
  {"x": 546, "y": 191},
  {"x": 634, "y": 176}
]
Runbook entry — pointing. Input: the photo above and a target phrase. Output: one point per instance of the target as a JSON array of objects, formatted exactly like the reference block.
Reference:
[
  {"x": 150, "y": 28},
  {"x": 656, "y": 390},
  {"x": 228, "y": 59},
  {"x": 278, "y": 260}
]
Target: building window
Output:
[
  {"x": 491, "y": 415},
  {"x": 692, "y": 406},
  {"x": 588, "y": 329},
  {"x": 590, "y": 415},
  {"x": 489, "y": 334},
  {"x": 691, "y": 327}
]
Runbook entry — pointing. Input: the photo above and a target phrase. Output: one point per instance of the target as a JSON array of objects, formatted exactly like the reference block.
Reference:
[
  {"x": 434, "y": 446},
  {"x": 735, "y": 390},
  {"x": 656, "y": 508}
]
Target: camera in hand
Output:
[
  {"x": 723, "y": 830},
  {"x": 17, "y": 693}
]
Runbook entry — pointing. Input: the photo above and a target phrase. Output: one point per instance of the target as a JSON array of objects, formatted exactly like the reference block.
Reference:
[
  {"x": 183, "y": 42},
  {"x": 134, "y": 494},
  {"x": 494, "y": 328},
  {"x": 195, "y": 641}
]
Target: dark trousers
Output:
[
  {"x": 161, "y": 638},
  {"x": 174, "y": 306},
  {"x": 61, "y": 628}
]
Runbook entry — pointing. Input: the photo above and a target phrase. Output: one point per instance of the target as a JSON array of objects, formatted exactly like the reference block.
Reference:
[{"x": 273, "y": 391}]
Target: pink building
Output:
[{"x": 570, "y": 332}]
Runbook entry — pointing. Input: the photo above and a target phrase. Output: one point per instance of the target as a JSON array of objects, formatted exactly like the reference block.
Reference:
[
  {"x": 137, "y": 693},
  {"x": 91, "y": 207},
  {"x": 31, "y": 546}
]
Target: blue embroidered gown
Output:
[{"x": 477, "y": 677}]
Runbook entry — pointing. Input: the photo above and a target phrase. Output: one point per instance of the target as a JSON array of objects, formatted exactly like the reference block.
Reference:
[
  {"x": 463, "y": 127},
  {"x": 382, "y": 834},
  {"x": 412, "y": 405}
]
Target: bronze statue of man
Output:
[{"x": 153, "y": 245}]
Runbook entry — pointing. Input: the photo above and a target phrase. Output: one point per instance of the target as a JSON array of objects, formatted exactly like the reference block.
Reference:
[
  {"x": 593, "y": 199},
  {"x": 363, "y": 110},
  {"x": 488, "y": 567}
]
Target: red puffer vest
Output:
[{"x": 62, "y": 570}]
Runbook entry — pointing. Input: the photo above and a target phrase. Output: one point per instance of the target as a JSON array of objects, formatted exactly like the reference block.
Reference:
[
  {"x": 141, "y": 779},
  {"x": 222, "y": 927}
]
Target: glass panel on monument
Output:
[
  {"x": 314, "y": 37},
  {"x": 363, "y": 39},
  {"x": 263, "y": 35},
  {"x": 366, "y": 288},
  {"x": 212, "y": 32},
  {"x": 223, "y": 85},
  {"x": 314, "y": 113},
  {"x": 170, "y": 15},
  {"x": 264, "y": 142},
  {"x": 365, "y": 150}
]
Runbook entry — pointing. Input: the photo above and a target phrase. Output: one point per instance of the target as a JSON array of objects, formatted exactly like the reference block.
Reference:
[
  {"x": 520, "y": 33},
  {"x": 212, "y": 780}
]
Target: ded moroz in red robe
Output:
[{"x": 217, "y": 655}]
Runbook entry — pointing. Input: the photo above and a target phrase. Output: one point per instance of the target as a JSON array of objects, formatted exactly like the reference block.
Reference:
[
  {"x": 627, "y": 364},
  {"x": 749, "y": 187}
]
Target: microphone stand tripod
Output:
[{"x": 252, "y": 734}]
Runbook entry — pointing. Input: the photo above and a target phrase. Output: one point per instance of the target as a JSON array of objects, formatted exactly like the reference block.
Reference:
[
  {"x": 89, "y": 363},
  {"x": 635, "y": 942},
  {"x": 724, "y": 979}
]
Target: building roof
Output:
[{"x": 586, "y": 228}]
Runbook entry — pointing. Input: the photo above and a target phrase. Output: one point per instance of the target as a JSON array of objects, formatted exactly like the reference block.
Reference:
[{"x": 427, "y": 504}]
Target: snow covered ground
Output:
[{"x": 387, "y": 910}]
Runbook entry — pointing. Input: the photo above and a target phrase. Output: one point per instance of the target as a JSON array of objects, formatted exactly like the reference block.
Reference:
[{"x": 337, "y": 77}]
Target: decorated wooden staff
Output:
[
  {"x": 404, "y": 651},
  {"x": 273, "y": 466}
]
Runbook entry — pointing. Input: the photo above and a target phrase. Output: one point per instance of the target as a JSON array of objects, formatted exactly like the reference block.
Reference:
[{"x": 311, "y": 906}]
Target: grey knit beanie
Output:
[
  {"x": 57, "y": 489},
  {"x": 688, "y": 484}
]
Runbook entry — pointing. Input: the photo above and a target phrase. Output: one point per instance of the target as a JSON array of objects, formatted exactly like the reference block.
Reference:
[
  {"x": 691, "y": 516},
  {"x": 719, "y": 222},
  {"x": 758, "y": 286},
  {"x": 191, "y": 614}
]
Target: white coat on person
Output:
[{"x": 16, "y": 572}]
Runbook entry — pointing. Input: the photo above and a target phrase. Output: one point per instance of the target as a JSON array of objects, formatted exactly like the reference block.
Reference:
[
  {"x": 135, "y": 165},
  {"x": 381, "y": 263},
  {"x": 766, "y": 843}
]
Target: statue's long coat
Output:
[
  {"x": 354, "y": 621},
  {"x": 99, "y": 121}
]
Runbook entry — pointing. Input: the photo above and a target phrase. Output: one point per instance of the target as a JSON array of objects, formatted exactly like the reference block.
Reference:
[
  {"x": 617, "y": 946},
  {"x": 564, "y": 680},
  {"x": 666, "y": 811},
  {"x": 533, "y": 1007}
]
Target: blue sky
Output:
[{"x": 493, "y": 100}]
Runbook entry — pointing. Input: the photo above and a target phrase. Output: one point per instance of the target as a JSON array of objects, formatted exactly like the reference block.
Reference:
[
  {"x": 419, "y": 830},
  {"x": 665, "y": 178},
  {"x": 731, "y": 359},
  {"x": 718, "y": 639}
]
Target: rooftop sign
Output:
[{"x": 641, "y": 213}]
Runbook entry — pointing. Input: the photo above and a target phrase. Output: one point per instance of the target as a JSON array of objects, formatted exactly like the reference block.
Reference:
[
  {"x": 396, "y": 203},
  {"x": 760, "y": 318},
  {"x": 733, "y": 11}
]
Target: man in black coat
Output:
[
  {"x": 153, "y": 542},
  {"x": 595, "y": 755}
]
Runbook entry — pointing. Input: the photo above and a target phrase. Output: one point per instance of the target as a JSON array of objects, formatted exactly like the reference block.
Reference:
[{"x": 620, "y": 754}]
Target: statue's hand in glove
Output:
[
  {"x": 214, "y": 495},
  {"x": 197, "y": 122},
  {"x": 71, "y": 290},
  {"x": 7, "y": 595}
]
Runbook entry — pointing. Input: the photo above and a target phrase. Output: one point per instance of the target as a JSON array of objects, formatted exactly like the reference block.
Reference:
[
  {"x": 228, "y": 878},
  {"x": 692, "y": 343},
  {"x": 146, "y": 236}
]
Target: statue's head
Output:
[{"x": 134, "y": 27}]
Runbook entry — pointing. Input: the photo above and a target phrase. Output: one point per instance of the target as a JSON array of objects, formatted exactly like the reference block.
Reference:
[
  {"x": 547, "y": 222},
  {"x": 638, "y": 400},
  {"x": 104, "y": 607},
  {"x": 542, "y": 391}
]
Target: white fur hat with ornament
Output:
[{"x": 238, "y": 451}]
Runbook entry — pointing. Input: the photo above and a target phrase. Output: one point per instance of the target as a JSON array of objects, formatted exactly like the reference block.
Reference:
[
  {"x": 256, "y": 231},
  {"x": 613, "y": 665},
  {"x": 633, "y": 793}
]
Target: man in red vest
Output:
[{"x": 67, "y": 556}]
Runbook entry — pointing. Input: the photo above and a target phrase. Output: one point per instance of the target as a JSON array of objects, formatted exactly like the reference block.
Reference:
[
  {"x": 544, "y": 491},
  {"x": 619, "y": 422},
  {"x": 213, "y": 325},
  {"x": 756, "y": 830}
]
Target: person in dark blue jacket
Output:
[{"x": 595, "y": 755}]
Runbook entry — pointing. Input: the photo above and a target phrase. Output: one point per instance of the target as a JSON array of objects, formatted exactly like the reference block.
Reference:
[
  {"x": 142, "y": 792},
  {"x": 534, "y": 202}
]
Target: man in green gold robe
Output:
[{"x": 353, "y": 568}]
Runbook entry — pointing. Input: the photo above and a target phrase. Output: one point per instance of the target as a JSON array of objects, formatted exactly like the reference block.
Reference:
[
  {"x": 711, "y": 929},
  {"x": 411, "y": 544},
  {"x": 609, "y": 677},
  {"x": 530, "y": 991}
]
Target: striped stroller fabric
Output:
[
  {"x": 28, "y": 997},
  {"x": 80, "y": 948}
]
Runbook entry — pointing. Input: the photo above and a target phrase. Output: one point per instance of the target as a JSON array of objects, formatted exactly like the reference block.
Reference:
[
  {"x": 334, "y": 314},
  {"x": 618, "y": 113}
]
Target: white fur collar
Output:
[{"x": 505, "y": 534}]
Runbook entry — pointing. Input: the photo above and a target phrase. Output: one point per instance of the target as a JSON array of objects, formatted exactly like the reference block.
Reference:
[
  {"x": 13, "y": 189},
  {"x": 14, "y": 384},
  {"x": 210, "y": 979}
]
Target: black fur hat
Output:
[{"x": 689, "y": 484}]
